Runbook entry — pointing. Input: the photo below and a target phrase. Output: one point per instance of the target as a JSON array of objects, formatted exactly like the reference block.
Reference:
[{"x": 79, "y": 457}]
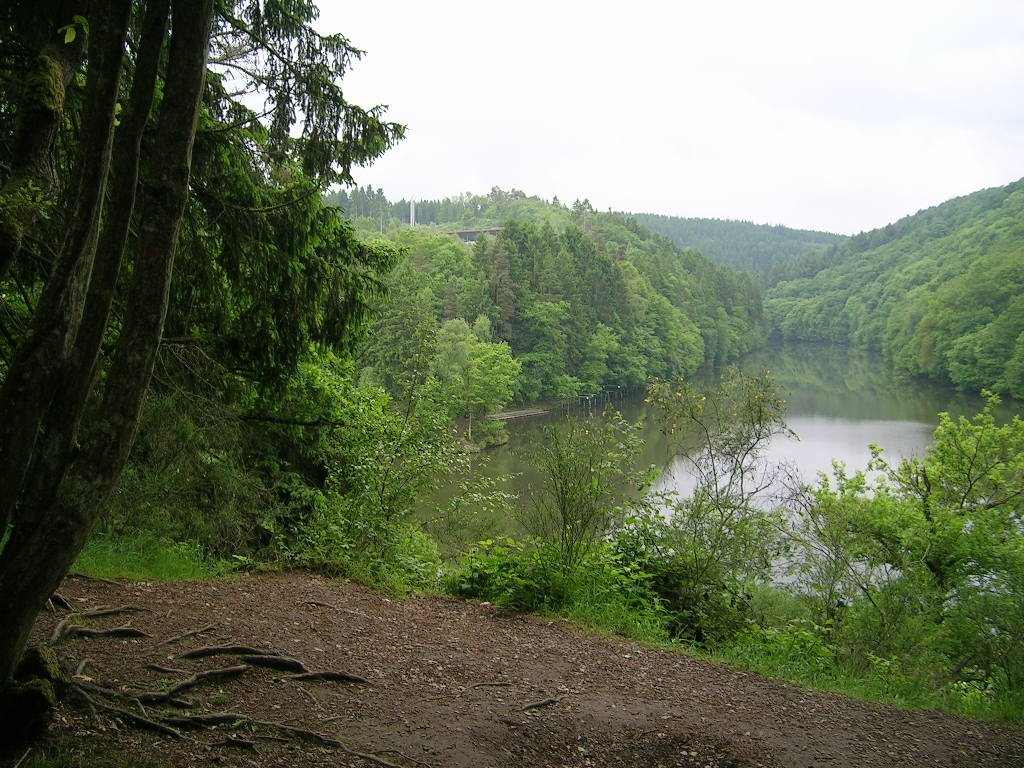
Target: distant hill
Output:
[
  {"x": 740, "y": 245},
  {"x": 939, "y": 294}
]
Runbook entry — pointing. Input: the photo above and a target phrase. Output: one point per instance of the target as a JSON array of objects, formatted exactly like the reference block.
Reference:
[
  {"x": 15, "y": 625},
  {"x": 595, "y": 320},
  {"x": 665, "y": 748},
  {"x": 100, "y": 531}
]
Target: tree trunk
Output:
[
  {"x": 38, "y": 363},
  {"x": 33, "y": 176},
  {"x": 61, "y": 427},
  {"x": 54, "y": 520}
]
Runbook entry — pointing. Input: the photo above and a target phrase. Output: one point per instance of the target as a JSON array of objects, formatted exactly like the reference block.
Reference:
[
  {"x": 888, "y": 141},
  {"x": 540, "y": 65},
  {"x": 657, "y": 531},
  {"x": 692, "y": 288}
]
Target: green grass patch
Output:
[
  {"x": 146, "y": 557},
  {"x": 62, "y": 756},
  {"x": 798, "y": 653}
]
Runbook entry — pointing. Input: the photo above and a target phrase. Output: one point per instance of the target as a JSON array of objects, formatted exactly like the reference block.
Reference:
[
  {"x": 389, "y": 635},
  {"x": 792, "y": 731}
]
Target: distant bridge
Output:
[{"x": 471, "y": 235}]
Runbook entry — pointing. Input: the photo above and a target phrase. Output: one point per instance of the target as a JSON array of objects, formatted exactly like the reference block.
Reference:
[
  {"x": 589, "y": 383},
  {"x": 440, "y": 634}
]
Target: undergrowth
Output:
[{"x": 144, "y": 557}]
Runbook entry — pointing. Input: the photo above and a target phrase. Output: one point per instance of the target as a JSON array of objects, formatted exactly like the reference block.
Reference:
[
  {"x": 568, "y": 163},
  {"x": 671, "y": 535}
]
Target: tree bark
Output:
[
  {"x": 61, "y": 427},
  {"x": 51, "y": 528},
  {"x": 38, "y": 362},
  {"x": 33, "y": 177}
]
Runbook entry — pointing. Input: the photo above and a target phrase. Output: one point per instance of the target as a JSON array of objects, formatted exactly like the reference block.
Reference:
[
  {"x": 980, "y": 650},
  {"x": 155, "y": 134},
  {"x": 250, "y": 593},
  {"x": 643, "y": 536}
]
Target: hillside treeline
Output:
[
  {"x": 940, "y": 294},
  {"x": 583, "y": 300},
  {"x": 741, "y": 245},
  {"x": 466, "y": 210}
]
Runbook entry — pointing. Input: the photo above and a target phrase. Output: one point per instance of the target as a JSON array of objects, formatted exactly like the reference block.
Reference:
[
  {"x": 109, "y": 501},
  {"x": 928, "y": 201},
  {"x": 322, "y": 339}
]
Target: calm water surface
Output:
[{"x": 839, "y": 403}]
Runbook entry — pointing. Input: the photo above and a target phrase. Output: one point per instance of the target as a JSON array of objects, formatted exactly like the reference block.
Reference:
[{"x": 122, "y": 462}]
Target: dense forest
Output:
[
  {"x": 583, "y": 301},
  {"x": 757, "y": 249},
  {"x": 741, "y": 245},
  {"x": 940, "y": 294}
]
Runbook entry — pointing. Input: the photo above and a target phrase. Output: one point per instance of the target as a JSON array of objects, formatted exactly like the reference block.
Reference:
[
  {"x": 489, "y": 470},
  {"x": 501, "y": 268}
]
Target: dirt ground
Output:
[{"x": 445, "y": 683}]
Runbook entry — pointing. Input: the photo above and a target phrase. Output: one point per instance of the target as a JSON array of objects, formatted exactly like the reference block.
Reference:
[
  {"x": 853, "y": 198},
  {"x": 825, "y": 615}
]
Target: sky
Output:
[{"x": 834, "y": 116}]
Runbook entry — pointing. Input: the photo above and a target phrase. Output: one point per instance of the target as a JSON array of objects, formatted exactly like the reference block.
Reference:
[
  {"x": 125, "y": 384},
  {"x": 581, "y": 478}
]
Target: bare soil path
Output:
[{"x": 446, "y": 684}]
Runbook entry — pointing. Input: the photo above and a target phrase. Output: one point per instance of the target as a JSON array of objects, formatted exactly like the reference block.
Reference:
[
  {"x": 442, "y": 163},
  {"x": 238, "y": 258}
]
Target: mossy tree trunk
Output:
[
  {"x": 75, "y": 465},
  {"x": 33, "y": 180}
]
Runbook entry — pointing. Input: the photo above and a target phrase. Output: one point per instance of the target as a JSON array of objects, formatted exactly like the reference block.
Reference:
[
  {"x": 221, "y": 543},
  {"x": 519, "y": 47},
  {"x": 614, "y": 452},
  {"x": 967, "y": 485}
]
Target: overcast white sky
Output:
[{"x": 838, "y": 116}]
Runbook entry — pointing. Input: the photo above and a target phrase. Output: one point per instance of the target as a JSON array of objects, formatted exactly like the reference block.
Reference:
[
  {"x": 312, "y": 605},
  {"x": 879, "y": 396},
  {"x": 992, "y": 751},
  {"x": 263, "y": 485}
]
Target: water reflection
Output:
[{"x": 840, "y": 401}]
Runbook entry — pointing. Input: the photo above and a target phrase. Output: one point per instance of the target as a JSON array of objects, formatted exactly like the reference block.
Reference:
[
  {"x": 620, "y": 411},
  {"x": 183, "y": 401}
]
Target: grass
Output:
[
  {"x": 803, "y": 663},
  {"x": 147, "y": 558},
  {"x": 59, "y": 756}
]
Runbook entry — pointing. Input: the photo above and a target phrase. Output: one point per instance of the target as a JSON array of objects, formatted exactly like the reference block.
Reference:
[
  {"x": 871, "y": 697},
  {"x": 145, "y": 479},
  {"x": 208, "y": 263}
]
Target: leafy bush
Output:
[
  {"x": 923, "y": 566},
  {"x": 587, "y": 479},
  {"x": 707, "y": 552},
  {"x": 604, "y": 590},
  {"x": 516, "y": 575}
]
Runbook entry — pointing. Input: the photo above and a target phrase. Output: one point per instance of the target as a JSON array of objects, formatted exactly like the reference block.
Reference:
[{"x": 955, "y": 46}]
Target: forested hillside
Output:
[
  {"x": 940, "y": 293},
  {"x": 582, "y": 300},
  {"x": 741, "y": 245}
]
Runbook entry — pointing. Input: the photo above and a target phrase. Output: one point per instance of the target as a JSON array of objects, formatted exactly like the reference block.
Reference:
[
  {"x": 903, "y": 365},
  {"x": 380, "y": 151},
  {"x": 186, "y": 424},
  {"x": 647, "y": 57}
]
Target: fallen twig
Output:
[
  {"x": 178, "y": 638},
  {"x": 318, "y": 604},
  {"x": 404, "y": 756},
  {"x": 331, "y": 676},
  {"x": 312, "y": 698}
]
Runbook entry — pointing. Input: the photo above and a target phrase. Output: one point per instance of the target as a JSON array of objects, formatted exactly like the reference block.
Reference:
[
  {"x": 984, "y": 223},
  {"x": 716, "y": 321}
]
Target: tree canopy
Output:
[{"x": 585, "y": 301}]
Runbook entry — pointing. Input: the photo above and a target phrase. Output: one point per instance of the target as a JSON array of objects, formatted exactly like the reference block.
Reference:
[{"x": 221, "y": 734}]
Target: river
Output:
[{"x": 839, "y": 401}]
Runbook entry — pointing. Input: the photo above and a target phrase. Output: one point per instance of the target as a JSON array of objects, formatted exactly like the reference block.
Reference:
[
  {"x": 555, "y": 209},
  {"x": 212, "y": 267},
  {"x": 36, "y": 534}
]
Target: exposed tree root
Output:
[
  {"x": 221, "y": 718},
  {"x": 57, "y": 600},
  {"x": 142, "y": 721},
  {"x": 192, "y": 682},
  {"x": 273, "y": 660},
  {"x": 224, "y": 650},
  {"x": 123, "y": 631},
  {"x": 280, "y": 663},
  {"x": 67, "y": 627},
  {"x": 334, "y": 677},
  {"x": 113, "y": 611},
  {"x": 169, "y": 716},
  {"x": 172, "y": 723},
  {"x": 97, "y": 579}
]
